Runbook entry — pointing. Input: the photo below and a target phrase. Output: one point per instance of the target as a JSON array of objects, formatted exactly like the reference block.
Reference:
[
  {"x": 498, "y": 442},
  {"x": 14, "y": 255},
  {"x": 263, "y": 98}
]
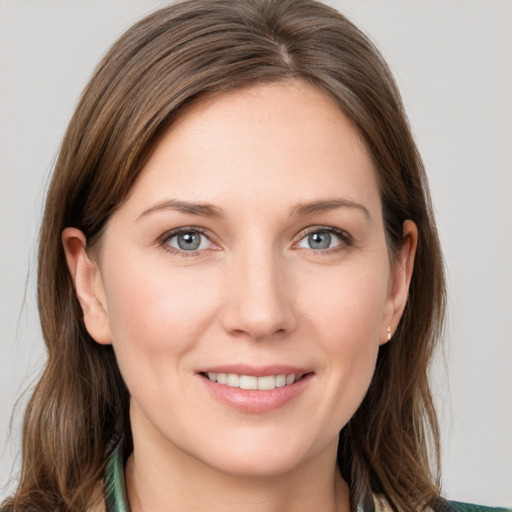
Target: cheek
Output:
[
  {"x": 346, "y": 320},
  {"x": 157, "y": 318},
  {"x": 155, "y": 309},
  {"x": 349, "y": 308}
]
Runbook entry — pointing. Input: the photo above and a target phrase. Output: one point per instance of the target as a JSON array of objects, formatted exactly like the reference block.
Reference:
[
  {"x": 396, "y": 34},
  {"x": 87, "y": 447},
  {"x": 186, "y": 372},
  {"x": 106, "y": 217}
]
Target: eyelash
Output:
[
  {"x": 345, "y": 237},
  {"x": 175, "y": 232}
]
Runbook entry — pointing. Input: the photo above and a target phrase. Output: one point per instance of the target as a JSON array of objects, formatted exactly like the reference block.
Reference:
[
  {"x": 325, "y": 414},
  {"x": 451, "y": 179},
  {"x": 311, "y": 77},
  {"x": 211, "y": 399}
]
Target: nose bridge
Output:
[{"x": 258, "y": 303}]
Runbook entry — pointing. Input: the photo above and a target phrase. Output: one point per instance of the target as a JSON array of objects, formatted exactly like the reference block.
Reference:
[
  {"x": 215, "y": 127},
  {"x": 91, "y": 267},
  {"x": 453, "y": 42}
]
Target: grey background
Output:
[{"x": 452, "y": 60}]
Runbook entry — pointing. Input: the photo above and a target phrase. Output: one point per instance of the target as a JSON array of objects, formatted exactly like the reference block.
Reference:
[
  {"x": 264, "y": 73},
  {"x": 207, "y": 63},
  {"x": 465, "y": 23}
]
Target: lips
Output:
[{"x": 256, "y": 389}]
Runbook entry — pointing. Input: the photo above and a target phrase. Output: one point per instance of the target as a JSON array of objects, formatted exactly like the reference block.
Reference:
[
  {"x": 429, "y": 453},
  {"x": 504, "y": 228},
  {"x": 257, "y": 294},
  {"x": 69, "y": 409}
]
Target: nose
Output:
[{"x": 259, "y": 296}]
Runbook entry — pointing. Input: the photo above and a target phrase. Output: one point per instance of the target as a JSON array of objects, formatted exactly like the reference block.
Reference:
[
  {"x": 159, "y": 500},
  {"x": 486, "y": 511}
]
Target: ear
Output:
[
  {"x": 401, "y": 274},
  {"x": 88, "y": 283}
]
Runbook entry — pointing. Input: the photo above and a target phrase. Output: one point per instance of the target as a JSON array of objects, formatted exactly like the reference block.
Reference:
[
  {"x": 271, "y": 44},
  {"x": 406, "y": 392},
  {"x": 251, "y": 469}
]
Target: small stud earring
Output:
[{"x": 389, "y": 332}]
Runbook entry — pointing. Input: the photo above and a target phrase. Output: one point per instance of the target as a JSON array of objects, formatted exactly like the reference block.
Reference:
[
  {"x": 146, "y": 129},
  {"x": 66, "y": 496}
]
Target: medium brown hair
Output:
[{"x": 157, "y": 69}]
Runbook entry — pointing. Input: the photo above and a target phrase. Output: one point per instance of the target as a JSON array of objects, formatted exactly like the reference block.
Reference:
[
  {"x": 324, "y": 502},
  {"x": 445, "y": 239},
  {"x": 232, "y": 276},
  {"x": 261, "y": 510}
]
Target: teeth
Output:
[
  {"x": 266, "y": 383},
  {"x": 248, "y": 382},
  {"x": 233, "y": 380},
  {"x": 280, "y": 381}
]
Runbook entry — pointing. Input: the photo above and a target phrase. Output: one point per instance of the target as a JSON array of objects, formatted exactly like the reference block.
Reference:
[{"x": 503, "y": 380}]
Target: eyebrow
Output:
[
  {"x": 210, "y": 210},
  {"x": 326, "y": 205},
  {"x": 186, "y": 207}
]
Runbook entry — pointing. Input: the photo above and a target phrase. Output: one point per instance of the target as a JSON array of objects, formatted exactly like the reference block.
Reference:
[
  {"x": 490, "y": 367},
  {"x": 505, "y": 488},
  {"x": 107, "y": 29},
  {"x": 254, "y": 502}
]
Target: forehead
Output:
[{"x": 285, "y": 141}]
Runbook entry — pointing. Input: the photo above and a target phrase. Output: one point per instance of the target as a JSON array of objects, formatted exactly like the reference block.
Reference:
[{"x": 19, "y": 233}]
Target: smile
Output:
[
  {"x": 253, "y": 389},
  {"x": 263, "y": 383}
]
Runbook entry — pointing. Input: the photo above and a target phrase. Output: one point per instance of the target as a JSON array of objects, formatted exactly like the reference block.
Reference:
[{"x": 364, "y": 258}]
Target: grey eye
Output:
[
  {"x": 189, "y": 241},
  {"x": 319, "y": 240},
  {"x": 322, "y": 239}
]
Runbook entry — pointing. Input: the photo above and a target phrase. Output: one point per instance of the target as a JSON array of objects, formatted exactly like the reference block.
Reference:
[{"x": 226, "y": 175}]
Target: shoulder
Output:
[
  {"x": 457, "y": 506},
  {"x": 381, "y": 505}
]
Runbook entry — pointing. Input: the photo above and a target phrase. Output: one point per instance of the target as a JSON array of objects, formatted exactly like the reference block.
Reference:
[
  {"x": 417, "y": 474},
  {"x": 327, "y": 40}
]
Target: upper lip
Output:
[{"x": 256, "y": 371}]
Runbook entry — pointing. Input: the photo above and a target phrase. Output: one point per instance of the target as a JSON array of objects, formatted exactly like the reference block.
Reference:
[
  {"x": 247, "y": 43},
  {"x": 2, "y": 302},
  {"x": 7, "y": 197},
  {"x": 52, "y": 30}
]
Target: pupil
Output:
[
  {"x": 319, "y": 240},
  {"x": 189, "y": 241}
]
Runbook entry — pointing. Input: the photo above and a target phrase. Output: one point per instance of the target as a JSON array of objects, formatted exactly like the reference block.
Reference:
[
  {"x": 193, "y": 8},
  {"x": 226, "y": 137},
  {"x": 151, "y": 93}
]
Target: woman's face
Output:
[{"x": 250, "y": 253}]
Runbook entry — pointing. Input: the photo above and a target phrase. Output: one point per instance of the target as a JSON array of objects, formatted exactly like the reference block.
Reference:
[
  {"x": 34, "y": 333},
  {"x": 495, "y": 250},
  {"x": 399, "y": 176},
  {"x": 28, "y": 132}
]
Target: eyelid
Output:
[
  {"x": 163, "y": 239},
  {"x": 343, "y": 235}
]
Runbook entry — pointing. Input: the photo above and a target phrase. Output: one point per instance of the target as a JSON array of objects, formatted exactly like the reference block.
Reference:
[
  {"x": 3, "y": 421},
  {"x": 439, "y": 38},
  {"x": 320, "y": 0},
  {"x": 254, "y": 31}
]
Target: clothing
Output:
[
  {"x": 115, "y": 490},
  {"x": 116, "y": 500}
]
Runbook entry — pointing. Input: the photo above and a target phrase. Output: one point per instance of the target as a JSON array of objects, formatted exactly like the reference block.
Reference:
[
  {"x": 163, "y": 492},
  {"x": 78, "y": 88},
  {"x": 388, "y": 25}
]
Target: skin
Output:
[{"x": 255, "y": 292}]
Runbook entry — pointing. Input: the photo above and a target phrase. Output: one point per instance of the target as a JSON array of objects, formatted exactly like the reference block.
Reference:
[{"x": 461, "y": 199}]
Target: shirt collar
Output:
[{"x": 115, "y": 489}]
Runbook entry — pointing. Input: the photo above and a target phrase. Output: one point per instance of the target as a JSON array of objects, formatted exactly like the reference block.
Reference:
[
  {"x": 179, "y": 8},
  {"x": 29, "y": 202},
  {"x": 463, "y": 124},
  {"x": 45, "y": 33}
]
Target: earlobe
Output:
[
  {"x": 401, "y": 278},
  {"x": 88, "y": 284}
]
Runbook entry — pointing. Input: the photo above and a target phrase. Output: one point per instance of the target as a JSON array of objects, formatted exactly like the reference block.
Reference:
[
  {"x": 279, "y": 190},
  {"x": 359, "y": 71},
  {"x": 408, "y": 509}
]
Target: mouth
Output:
[
  {"x": 256, "y": 389},
  {"x": 253, "y": 382}
]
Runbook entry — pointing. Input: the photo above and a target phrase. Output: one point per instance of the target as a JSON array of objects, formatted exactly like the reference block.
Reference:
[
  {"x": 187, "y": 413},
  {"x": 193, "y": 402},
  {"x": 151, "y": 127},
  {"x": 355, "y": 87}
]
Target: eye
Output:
[
  {"x": 187, "y": 240},
  {"x": 320, "y": 239}
]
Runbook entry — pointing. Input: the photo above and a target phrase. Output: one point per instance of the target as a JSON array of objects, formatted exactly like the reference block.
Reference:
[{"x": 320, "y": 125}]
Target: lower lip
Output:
[{"x": 256, "y": 401}]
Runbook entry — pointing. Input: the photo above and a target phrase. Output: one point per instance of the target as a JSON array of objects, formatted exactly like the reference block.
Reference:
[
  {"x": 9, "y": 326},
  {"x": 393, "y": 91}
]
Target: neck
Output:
[{"x": 161, "y": 477}]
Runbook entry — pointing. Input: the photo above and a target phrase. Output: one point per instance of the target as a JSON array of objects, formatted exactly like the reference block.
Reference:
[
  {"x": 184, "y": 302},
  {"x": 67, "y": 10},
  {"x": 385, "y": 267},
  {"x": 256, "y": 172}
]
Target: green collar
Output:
[{"x": 115, "y": 490}]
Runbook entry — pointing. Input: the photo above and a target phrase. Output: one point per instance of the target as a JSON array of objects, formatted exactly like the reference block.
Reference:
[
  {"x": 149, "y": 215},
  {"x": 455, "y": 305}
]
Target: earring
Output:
[{"x": 389, "y": 332}]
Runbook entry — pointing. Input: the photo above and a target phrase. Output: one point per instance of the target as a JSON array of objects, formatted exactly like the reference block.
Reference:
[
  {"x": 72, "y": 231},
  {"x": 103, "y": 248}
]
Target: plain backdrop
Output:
[{"x": 453, "y": 63}]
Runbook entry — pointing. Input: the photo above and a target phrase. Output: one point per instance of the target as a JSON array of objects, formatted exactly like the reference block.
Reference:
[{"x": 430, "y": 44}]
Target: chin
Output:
[
  {"x": 261, "y": 465},
  {"x": 253, "y": 456}
]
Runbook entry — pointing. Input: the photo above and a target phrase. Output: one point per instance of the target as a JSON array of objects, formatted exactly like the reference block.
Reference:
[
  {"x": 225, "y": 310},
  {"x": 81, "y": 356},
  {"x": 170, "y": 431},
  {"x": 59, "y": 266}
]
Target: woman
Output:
[{"x": 240, "y": 281}]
